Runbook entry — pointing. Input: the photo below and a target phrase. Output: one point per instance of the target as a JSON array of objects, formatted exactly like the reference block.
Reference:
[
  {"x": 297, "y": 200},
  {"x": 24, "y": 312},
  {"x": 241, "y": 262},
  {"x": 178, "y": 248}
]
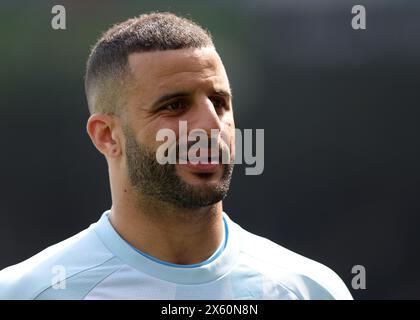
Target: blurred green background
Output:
[{"x": 340, "y": 109}]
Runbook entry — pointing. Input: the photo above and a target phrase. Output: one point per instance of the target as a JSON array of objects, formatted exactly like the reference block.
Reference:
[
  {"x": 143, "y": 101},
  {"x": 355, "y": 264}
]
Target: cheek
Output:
[
  {"x": 150, "y": 132},
  {"x": 228, "y": 135}
]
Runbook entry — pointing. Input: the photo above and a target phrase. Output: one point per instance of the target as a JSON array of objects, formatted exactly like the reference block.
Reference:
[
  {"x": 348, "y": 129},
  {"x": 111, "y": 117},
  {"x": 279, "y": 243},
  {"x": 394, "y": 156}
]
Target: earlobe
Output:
[
  {"x": 101, "y": 129},
  {"x": 116, "y": 151}
]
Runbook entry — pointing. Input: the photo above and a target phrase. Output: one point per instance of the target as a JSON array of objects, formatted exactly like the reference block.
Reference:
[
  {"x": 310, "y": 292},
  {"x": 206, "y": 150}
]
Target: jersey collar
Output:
[{"x": 182, "y": 274}]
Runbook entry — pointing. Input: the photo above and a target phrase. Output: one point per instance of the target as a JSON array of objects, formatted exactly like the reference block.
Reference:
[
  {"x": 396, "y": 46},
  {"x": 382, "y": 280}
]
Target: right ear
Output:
[{"x": 103, "y": 131}]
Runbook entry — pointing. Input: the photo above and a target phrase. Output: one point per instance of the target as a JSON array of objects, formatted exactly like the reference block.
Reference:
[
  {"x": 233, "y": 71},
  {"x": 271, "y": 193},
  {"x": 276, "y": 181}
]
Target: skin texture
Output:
[{"x": 163, "y": 229}]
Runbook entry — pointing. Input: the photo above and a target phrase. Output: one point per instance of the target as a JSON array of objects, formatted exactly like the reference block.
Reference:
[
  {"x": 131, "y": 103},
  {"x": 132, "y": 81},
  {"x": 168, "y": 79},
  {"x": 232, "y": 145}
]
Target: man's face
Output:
[{"x": 168, "y": 87}]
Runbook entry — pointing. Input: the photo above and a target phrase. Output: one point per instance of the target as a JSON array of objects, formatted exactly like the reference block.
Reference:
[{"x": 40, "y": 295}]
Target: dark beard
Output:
[{"x": 161, "y": 182}]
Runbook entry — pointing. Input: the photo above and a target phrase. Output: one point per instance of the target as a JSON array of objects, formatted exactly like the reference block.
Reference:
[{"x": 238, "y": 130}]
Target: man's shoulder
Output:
[
  {"x": 45, "y": 270},
  {"x": 306, "y": 278}
]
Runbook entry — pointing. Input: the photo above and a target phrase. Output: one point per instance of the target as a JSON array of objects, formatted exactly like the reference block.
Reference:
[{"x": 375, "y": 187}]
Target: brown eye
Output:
[
  {"x": 175, "y": 105},
  {"x": 218, "y": 102}
]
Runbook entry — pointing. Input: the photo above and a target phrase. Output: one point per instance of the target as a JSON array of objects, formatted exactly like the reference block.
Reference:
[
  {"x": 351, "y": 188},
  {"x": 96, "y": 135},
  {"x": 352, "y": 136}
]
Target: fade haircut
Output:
[{"x": 107, "y": 71}]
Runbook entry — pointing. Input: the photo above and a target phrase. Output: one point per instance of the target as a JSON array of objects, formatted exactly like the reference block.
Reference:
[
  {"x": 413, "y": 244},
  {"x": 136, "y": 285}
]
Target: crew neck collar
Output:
[{"x": 209, "y": 270}]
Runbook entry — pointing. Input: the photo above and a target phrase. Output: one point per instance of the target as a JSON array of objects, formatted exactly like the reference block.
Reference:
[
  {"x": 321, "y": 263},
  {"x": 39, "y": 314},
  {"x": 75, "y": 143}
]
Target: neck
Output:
[{"x": 175, "y": 235}]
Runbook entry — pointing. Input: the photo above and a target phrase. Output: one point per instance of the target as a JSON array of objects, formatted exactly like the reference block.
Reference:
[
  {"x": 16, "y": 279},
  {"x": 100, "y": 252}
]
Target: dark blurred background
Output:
[{"x": 339, "y": 107}]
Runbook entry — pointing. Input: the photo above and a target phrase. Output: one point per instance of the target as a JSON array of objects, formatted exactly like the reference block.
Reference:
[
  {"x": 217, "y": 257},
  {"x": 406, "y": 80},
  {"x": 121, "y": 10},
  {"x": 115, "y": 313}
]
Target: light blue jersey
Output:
[{"x": 98, "y": 264}]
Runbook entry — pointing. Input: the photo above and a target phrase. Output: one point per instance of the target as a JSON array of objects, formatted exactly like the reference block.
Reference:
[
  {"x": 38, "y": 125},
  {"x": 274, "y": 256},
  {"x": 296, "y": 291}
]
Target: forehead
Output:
[{"x": 184, "y": 69}]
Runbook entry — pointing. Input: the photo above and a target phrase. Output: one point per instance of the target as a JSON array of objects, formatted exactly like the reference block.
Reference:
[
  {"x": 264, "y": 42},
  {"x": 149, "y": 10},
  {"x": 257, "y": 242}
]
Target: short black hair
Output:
[{"x": 106, "y": 69}]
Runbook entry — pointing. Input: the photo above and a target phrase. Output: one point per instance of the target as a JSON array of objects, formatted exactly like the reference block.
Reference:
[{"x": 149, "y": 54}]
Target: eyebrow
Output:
[
  {"x": 184, "y": 94},
  {"x": 224, "y": 93}
]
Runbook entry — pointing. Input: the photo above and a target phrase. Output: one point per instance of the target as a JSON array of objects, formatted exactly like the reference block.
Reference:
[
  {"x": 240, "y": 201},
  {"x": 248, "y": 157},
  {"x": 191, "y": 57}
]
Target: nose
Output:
[{"x": 204, "y": 116}]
